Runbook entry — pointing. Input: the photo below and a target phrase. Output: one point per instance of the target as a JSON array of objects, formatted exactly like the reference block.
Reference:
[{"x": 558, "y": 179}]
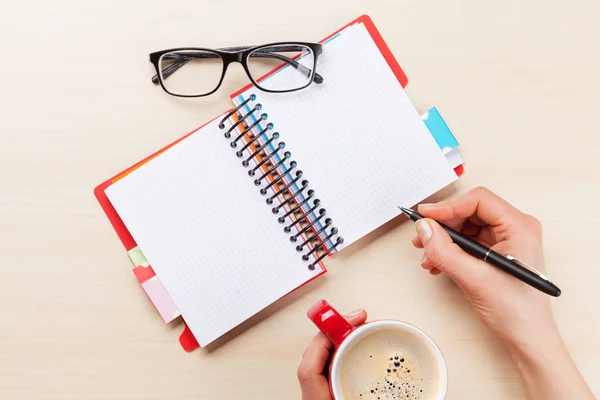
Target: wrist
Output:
[
  {"x": 547, "y": 369},
  {"x": 527, "y": 332},
  {"x": 546, "y": 346}
]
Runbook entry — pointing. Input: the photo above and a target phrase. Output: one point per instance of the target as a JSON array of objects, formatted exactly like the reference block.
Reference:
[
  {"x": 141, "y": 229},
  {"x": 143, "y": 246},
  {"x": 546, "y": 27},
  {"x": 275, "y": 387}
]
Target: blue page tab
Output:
[{"x": 439, "y": 130}]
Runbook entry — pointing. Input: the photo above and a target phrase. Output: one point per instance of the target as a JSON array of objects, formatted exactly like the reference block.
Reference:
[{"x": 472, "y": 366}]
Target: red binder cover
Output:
[{"x": 143, "y": 274}]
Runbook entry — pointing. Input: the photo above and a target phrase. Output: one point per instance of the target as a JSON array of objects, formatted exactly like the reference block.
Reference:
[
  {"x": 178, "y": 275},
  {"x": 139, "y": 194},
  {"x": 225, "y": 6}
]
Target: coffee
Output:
[{"x": 390, "y": 363}]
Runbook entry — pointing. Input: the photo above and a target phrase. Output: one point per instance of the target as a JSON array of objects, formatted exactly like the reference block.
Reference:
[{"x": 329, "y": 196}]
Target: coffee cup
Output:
[{"x": 379, "y": 360}]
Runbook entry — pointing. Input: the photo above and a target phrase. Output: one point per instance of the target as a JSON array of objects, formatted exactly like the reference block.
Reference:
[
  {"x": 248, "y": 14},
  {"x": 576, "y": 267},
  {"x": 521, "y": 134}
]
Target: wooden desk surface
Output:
[{"x": 516, "y": 81}]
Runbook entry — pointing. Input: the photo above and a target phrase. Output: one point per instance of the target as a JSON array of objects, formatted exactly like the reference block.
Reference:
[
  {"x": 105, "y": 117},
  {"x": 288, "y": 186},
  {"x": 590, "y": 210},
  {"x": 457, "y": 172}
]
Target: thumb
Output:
[
  {"x": 356, "y": 318},
  {"x": 442, "y": 254}
]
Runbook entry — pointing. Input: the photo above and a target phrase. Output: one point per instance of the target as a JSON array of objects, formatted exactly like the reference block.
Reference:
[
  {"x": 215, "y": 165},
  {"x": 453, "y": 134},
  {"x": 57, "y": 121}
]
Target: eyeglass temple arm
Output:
[{"x": 183, "y": 59}]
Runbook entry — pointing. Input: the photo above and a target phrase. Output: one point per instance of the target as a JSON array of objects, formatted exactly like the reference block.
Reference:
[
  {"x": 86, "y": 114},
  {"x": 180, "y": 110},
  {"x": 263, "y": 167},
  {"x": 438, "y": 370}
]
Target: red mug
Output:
[{"x": 344, "y": 337}]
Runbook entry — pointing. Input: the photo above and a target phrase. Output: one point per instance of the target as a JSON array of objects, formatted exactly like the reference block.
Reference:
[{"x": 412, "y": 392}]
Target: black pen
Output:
[{"x": 508, "y": 264}]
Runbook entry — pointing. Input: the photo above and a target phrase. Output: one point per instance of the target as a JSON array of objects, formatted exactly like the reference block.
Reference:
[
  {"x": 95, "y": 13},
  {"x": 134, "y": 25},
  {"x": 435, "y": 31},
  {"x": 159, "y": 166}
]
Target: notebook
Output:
[{"x": 228, "y": 231}]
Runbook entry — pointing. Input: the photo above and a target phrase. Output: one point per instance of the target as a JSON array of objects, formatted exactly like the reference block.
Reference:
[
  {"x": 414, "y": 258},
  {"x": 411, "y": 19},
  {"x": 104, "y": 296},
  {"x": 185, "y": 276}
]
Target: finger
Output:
[
  {"x": 470, "y": 229},
  {"x": 424, "y": 264},
  {"x": 356, "y": 318},
  {"x": 464, "y": 226},
  {"x": 441, "y": 253},
  {"x": 429, "y": 267},
  {"x": 456, "y": 223},
  {"x": 310, "y": 371},
  {"x": 317, "y": 352},
  {"x": 486, "y": 237},
  {"x": 313, "y": 386},
  {"x": 475, "y": 220},
  {"x": 416, "y": 241},
  {"x": 486, "y": 205}
]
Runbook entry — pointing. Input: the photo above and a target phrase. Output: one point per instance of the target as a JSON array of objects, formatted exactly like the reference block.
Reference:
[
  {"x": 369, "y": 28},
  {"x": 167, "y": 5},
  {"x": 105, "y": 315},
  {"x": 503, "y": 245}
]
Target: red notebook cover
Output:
[{"x": 187, "y": 340}]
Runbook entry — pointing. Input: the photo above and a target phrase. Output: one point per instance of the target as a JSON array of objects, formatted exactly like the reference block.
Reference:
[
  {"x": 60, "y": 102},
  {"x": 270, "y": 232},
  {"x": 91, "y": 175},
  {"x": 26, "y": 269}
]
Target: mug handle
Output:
[{"x": 330, "y": 322}]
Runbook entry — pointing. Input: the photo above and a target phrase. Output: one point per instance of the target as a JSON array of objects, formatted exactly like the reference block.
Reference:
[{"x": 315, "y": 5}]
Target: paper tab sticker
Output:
[
  {"x": 137, "y": 257},
  {"x": 161, "y": 299},
  {"x": 439, "y": 130}
]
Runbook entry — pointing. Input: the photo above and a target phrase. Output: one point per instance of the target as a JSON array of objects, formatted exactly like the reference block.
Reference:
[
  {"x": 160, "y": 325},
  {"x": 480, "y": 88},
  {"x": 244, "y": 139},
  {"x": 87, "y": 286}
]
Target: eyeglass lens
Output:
[
  {"x": 282, "y": 67},
  {"x": 191, "y": 72}
]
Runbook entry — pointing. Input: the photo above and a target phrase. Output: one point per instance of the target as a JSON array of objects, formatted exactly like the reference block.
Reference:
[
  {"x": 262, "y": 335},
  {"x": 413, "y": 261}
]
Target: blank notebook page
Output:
[
  {"x": 357, "y": 136},
  {"x": 208, "y": 234}
]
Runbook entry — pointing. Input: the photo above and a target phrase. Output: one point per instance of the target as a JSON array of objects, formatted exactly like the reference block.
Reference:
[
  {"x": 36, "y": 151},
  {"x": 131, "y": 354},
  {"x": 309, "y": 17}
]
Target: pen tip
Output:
[{"x": 406, "y": 211}]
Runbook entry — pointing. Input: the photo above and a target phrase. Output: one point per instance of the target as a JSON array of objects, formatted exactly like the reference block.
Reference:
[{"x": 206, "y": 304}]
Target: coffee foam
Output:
[{"x": 390, "y": 363}]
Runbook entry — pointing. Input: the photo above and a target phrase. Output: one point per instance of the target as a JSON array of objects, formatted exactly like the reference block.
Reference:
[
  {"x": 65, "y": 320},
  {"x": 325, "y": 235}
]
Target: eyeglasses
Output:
[{"x": 276, "y": 67}]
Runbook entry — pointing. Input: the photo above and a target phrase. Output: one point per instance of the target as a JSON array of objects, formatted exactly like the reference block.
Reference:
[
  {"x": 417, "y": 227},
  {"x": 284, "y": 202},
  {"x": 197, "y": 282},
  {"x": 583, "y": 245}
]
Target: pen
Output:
[{"x": 509, "y": 264}]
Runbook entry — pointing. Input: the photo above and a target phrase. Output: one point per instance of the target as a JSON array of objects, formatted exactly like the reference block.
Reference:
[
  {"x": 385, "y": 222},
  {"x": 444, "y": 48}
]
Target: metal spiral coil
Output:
[{"x": 301, "y": 213}]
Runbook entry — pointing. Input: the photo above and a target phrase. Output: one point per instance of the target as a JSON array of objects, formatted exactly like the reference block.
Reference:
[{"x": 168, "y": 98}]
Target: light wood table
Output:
[{"x": 516, "y": 81}]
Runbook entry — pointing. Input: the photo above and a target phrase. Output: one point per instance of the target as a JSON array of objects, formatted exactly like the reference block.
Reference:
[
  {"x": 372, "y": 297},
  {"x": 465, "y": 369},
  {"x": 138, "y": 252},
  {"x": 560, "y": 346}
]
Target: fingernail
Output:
[
  {"x": 354, "y": 313},
  {"x": 424, "y": 230},
  {"x": 423, "y": 259},
  {"x": 425, "y": 205}
]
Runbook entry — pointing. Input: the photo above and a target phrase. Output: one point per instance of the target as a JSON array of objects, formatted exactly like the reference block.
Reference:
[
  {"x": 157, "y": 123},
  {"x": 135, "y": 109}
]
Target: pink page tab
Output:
[{"x": 161, "y": 299}]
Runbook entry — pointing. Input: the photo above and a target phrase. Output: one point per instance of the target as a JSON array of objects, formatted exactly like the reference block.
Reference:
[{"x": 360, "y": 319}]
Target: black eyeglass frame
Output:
[{"x": 239, "y": 54}]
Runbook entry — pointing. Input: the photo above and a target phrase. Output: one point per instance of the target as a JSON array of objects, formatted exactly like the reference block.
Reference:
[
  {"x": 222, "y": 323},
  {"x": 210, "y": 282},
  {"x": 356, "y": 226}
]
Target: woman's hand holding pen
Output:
[
  {"x": 520, "y": 315},
  {"x": 507, "y": 306}
]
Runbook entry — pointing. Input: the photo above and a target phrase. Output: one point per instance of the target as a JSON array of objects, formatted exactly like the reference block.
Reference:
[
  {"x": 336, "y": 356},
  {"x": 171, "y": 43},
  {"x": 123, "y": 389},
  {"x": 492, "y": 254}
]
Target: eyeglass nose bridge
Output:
[
  {"x": 239, "y": 57},
  {"x": 234, "y": 57}
]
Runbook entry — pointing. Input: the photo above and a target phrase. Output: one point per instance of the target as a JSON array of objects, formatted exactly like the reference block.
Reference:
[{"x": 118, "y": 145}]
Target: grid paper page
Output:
[
  {"x": 359, "y": 139},
  {"x": 208, "y": 234}
]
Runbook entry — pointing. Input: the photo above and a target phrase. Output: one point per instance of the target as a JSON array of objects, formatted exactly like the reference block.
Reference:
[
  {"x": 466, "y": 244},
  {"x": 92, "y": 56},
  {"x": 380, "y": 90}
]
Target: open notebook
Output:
[{"x": 348, "y": 151}]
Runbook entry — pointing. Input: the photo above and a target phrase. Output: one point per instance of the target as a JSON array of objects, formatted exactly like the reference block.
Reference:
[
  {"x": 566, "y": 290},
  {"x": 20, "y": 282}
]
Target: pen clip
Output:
[{"x": 527, "y": 266}]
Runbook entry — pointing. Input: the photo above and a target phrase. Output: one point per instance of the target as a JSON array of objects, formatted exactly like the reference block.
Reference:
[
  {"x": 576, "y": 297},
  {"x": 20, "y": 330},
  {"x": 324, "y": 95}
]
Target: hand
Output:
[
  {"x": 519, "y": 314},
  {"x": 312, "y": 370},
  {"x": 513, "y": 310}
]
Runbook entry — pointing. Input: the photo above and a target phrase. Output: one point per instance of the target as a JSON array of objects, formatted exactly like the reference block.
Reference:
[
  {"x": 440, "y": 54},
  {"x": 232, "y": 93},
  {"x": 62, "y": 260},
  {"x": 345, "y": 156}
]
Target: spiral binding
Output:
[{"x": 301, "y": 212}]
